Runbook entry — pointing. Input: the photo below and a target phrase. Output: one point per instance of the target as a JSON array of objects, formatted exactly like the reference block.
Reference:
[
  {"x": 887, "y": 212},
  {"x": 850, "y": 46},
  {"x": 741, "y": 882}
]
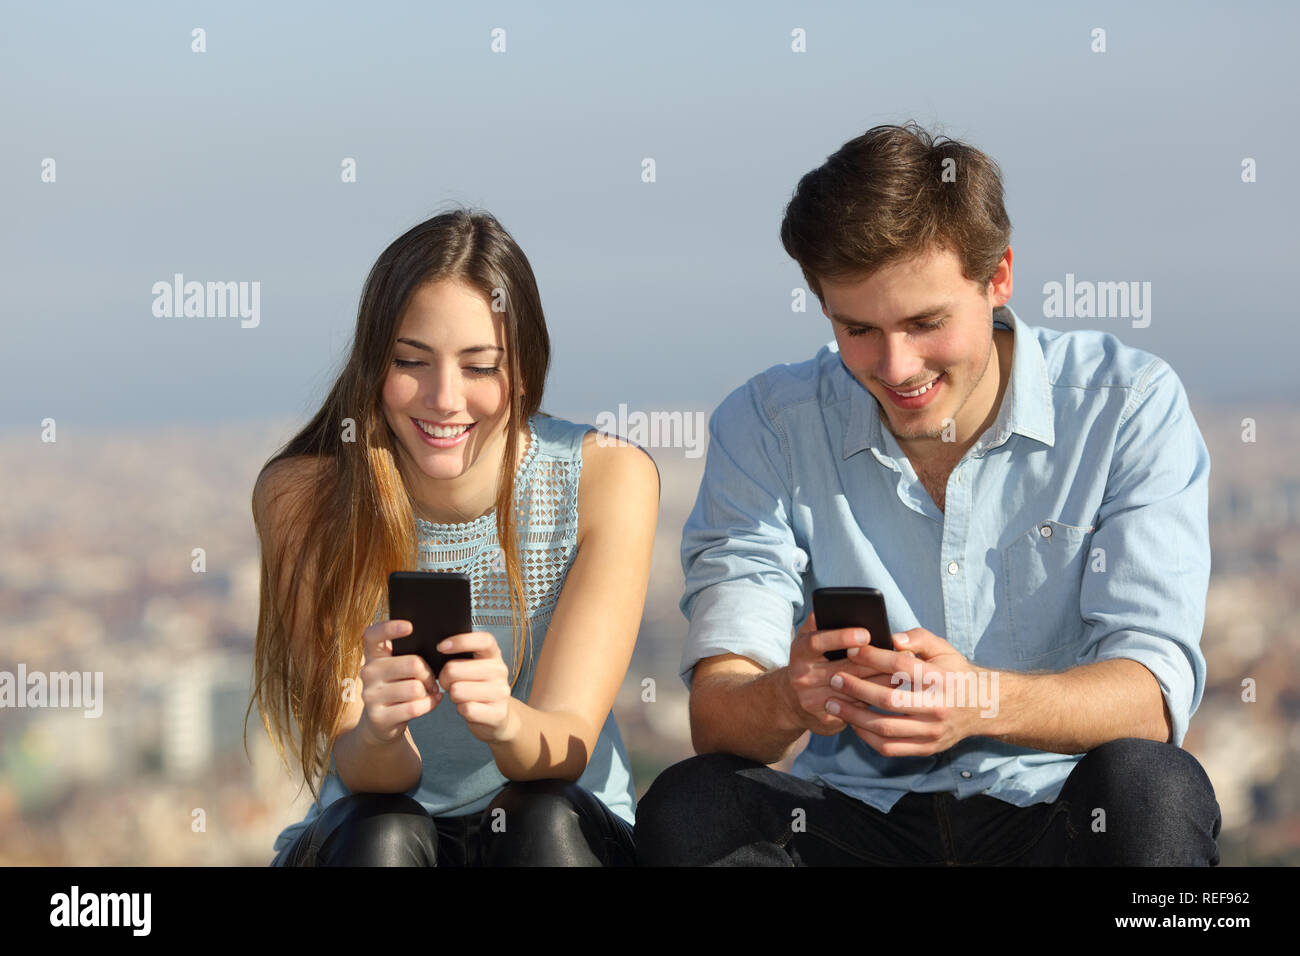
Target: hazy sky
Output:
[{"x": 225, "y": 166}]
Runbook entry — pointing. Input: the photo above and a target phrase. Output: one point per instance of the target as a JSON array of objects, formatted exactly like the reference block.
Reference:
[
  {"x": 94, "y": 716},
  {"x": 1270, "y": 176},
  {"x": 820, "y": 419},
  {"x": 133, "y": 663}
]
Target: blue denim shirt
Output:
[{"x": 1075, "y": 530}]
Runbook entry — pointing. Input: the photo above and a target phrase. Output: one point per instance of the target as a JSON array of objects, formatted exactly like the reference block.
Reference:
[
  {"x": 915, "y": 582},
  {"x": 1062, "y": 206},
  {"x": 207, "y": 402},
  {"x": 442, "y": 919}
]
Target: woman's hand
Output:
[
  {"x": 394, "y": 689},
  {"x": 480, "y": 688}
]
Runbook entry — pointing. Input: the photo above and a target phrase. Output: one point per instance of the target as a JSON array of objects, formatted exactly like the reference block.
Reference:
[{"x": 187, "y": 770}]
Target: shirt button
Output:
[
  {"x": 1045, "y": 531},
  {"x": 966, "y": 774},
  {"x": 952, "y": 567}
]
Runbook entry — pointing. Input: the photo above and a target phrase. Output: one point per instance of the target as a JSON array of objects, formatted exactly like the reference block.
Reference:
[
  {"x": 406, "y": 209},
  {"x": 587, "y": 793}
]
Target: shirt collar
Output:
[{"x": 1026, "y": 406}]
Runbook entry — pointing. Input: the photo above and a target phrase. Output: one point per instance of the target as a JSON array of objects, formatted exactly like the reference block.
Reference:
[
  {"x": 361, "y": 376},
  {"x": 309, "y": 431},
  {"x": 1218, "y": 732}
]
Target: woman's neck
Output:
[{"x": 467, "y": 498}]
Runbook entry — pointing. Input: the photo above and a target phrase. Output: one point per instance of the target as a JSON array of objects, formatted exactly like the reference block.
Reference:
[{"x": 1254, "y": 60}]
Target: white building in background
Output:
[
  {"x": 186, "y": 727},
  {"x": 203, "y": 704}
]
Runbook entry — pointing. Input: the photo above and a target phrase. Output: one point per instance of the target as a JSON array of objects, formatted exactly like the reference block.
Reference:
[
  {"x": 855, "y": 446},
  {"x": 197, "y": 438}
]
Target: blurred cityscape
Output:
[{"x": 101, "y": 573}]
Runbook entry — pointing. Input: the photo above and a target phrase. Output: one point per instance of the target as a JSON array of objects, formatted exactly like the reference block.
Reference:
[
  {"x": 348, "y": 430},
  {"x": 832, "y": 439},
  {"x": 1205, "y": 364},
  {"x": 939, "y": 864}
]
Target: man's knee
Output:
[
  {"x": 1143, "y": 771},
  {"x": 692, "y": 785},
  {"x": 1140, "y": 802},
  {"x": 694, "y": 795}
]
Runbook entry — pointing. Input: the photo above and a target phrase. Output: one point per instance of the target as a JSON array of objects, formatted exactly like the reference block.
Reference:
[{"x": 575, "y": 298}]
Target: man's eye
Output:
[{"x": 855, "y": 330}]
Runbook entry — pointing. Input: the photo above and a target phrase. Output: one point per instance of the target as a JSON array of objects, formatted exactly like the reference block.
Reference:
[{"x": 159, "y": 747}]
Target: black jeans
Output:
[
  {"x": 530, "y": 823},
  {"x": 1128, "y": 802}
]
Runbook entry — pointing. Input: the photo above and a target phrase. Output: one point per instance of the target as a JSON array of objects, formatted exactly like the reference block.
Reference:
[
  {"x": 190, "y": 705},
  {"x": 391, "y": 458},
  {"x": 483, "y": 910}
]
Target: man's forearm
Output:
[
  {"x": 1082, "y": 708},
  {"x": 744, "y": 714}
]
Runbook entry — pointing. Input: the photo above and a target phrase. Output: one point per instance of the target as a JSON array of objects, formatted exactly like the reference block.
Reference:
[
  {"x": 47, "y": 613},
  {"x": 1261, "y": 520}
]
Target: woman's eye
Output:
[{"x": 472, "y": 369}]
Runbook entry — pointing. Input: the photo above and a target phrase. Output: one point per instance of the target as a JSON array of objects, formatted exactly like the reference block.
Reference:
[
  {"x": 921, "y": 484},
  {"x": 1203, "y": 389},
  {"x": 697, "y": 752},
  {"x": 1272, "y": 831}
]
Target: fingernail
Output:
[
  {"x": 861, "y": 636},
  {"x": 853, "y": 652},
  {"x": 837, "y": 681},
  {"x": 444, "y": 644},
  {"x": 902, "y": 639},
  {"x": 833, "y": 706}
]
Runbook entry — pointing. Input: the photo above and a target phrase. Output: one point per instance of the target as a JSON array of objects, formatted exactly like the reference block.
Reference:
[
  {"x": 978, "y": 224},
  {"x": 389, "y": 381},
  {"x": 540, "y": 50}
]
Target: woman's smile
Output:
[{"x": 442, "y": 436}]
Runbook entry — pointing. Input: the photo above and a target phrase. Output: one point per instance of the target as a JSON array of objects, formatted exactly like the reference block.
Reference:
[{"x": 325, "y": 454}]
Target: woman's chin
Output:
[{"x": 441, "y": 469}]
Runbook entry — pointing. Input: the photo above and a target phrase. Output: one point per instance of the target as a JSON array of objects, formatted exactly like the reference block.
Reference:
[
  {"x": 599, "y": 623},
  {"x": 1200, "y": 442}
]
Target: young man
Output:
[{"x": 1031, "y": 503}]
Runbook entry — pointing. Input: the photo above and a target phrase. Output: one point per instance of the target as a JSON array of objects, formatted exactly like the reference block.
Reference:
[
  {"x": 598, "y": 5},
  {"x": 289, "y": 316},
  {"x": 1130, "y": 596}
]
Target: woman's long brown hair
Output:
[{"x": 356, "y": 523}]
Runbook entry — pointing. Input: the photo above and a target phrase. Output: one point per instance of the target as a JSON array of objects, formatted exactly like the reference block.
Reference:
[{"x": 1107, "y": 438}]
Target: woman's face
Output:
[{"x": 449, "y": 373}]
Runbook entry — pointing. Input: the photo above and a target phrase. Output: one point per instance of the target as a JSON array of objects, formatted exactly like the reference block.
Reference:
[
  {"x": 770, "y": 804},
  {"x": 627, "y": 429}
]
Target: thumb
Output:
[{"x": 921, "y": 642}]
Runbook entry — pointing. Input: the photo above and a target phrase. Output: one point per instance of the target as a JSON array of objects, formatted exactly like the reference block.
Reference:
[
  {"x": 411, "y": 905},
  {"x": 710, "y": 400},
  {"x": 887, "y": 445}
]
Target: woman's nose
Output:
[{"x": 444, "y": 396}]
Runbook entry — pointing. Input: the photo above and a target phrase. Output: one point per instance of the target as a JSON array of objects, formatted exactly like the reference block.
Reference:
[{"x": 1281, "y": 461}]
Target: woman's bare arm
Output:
[{"x": 594, "y": 626}]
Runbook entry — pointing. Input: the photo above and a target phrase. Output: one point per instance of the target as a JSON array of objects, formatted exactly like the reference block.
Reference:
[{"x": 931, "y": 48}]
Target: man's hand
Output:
[
  {"x": 925, "y": 719},
  {"x": 809, "y": 693}
]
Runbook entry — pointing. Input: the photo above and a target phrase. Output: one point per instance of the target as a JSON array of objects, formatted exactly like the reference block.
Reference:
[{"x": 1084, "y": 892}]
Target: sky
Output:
[{"x": 225, "y": 165}]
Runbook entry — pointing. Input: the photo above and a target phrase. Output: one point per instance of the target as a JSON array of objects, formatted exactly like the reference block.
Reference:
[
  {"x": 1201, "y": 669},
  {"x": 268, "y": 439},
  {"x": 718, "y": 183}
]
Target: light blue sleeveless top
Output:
[{"x": 460, "y": 776}]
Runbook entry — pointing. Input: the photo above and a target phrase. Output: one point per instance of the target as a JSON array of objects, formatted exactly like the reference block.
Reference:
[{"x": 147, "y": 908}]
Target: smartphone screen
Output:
[
  {"x": 852, "y": 607},
  {"x": 437, "y": 603}
]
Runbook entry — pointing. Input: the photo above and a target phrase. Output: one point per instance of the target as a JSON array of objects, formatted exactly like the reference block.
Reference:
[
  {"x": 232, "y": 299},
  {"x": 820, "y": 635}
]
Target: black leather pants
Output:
[{"x": 530, "y": 823}]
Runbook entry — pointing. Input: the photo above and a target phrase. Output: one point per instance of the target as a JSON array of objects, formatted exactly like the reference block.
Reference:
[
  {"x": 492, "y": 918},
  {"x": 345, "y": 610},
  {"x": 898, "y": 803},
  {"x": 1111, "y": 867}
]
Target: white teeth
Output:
[
  {"x": 440, "y": 432},
  {"x": 920, "y": 391}
]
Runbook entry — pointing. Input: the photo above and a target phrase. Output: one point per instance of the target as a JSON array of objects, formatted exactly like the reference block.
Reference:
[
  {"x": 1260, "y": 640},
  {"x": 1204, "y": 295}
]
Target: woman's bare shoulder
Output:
[
  {"x": 293, "y": 476},
  {"x": 613, "y": 468},
  {"x": 293, "y": 468}
]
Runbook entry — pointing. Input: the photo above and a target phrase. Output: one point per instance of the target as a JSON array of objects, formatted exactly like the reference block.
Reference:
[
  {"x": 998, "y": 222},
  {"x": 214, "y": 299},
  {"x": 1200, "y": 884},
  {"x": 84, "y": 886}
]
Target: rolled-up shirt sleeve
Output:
[
  {"x": 743, "y": 591},
  {"x": 1144, "y": 591}
]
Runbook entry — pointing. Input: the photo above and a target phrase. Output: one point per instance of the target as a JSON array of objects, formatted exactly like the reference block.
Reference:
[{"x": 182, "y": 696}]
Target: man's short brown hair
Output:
[{"x": 887, "y": 196}]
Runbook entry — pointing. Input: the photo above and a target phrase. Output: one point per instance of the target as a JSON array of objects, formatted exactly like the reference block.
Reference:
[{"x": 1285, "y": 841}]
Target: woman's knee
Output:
[
  {"x": 371, "y": 829},
  {"x": 549, "y": 823}
]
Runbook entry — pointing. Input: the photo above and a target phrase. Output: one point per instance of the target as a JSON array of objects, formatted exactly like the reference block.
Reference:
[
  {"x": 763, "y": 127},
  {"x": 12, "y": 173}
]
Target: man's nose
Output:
[{"x": 898, "y": 363}]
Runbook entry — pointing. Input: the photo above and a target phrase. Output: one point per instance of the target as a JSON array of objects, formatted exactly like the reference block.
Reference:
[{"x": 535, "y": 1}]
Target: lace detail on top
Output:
[{"x": 546, "y": 497}]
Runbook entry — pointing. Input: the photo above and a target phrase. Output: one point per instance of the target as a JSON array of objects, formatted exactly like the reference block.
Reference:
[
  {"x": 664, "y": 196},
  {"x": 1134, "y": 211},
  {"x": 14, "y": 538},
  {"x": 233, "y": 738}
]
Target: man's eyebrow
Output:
[
  {"x": 416, "y": 343},
  {"x": 929, "y": 313}
]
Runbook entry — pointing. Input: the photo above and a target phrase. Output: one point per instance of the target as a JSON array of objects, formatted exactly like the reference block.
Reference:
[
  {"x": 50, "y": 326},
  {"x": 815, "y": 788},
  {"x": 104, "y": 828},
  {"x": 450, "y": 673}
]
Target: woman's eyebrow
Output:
[{"x": 416, "y": 343}]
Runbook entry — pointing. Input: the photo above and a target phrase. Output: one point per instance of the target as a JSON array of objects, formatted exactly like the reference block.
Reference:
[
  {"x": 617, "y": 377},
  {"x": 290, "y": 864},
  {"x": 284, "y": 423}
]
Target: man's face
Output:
[{"x": 916, "y": 323}]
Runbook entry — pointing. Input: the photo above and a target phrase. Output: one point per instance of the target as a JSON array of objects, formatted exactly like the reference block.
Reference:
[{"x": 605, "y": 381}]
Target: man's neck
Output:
[{"x": 941, "y": 455}]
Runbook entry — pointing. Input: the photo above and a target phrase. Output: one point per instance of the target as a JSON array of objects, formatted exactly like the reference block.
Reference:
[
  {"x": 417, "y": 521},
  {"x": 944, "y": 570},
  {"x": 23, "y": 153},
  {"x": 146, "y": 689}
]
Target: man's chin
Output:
[{"x": 913, "y": 431}]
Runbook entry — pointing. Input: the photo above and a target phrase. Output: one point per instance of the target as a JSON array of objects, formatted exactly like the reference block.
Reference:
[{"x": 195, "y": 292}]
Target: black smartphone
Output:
[
  {"x": 852, "y": 607},
  {"x": 437, "y": 603}
]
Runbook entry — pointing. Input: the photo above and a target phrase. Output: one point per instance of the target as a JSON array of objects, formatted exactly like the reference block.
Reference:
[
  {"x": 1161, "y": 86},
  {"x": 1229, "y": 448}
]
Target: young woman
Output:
[{"x": 430, "y": 453}]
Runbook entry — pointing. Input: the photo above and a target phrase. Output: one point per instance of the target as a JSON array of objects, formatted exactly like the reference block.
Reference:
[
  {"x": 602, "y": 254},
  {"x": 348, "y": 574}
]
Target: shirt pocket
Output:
[{"x": 1042, "y": 575}]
